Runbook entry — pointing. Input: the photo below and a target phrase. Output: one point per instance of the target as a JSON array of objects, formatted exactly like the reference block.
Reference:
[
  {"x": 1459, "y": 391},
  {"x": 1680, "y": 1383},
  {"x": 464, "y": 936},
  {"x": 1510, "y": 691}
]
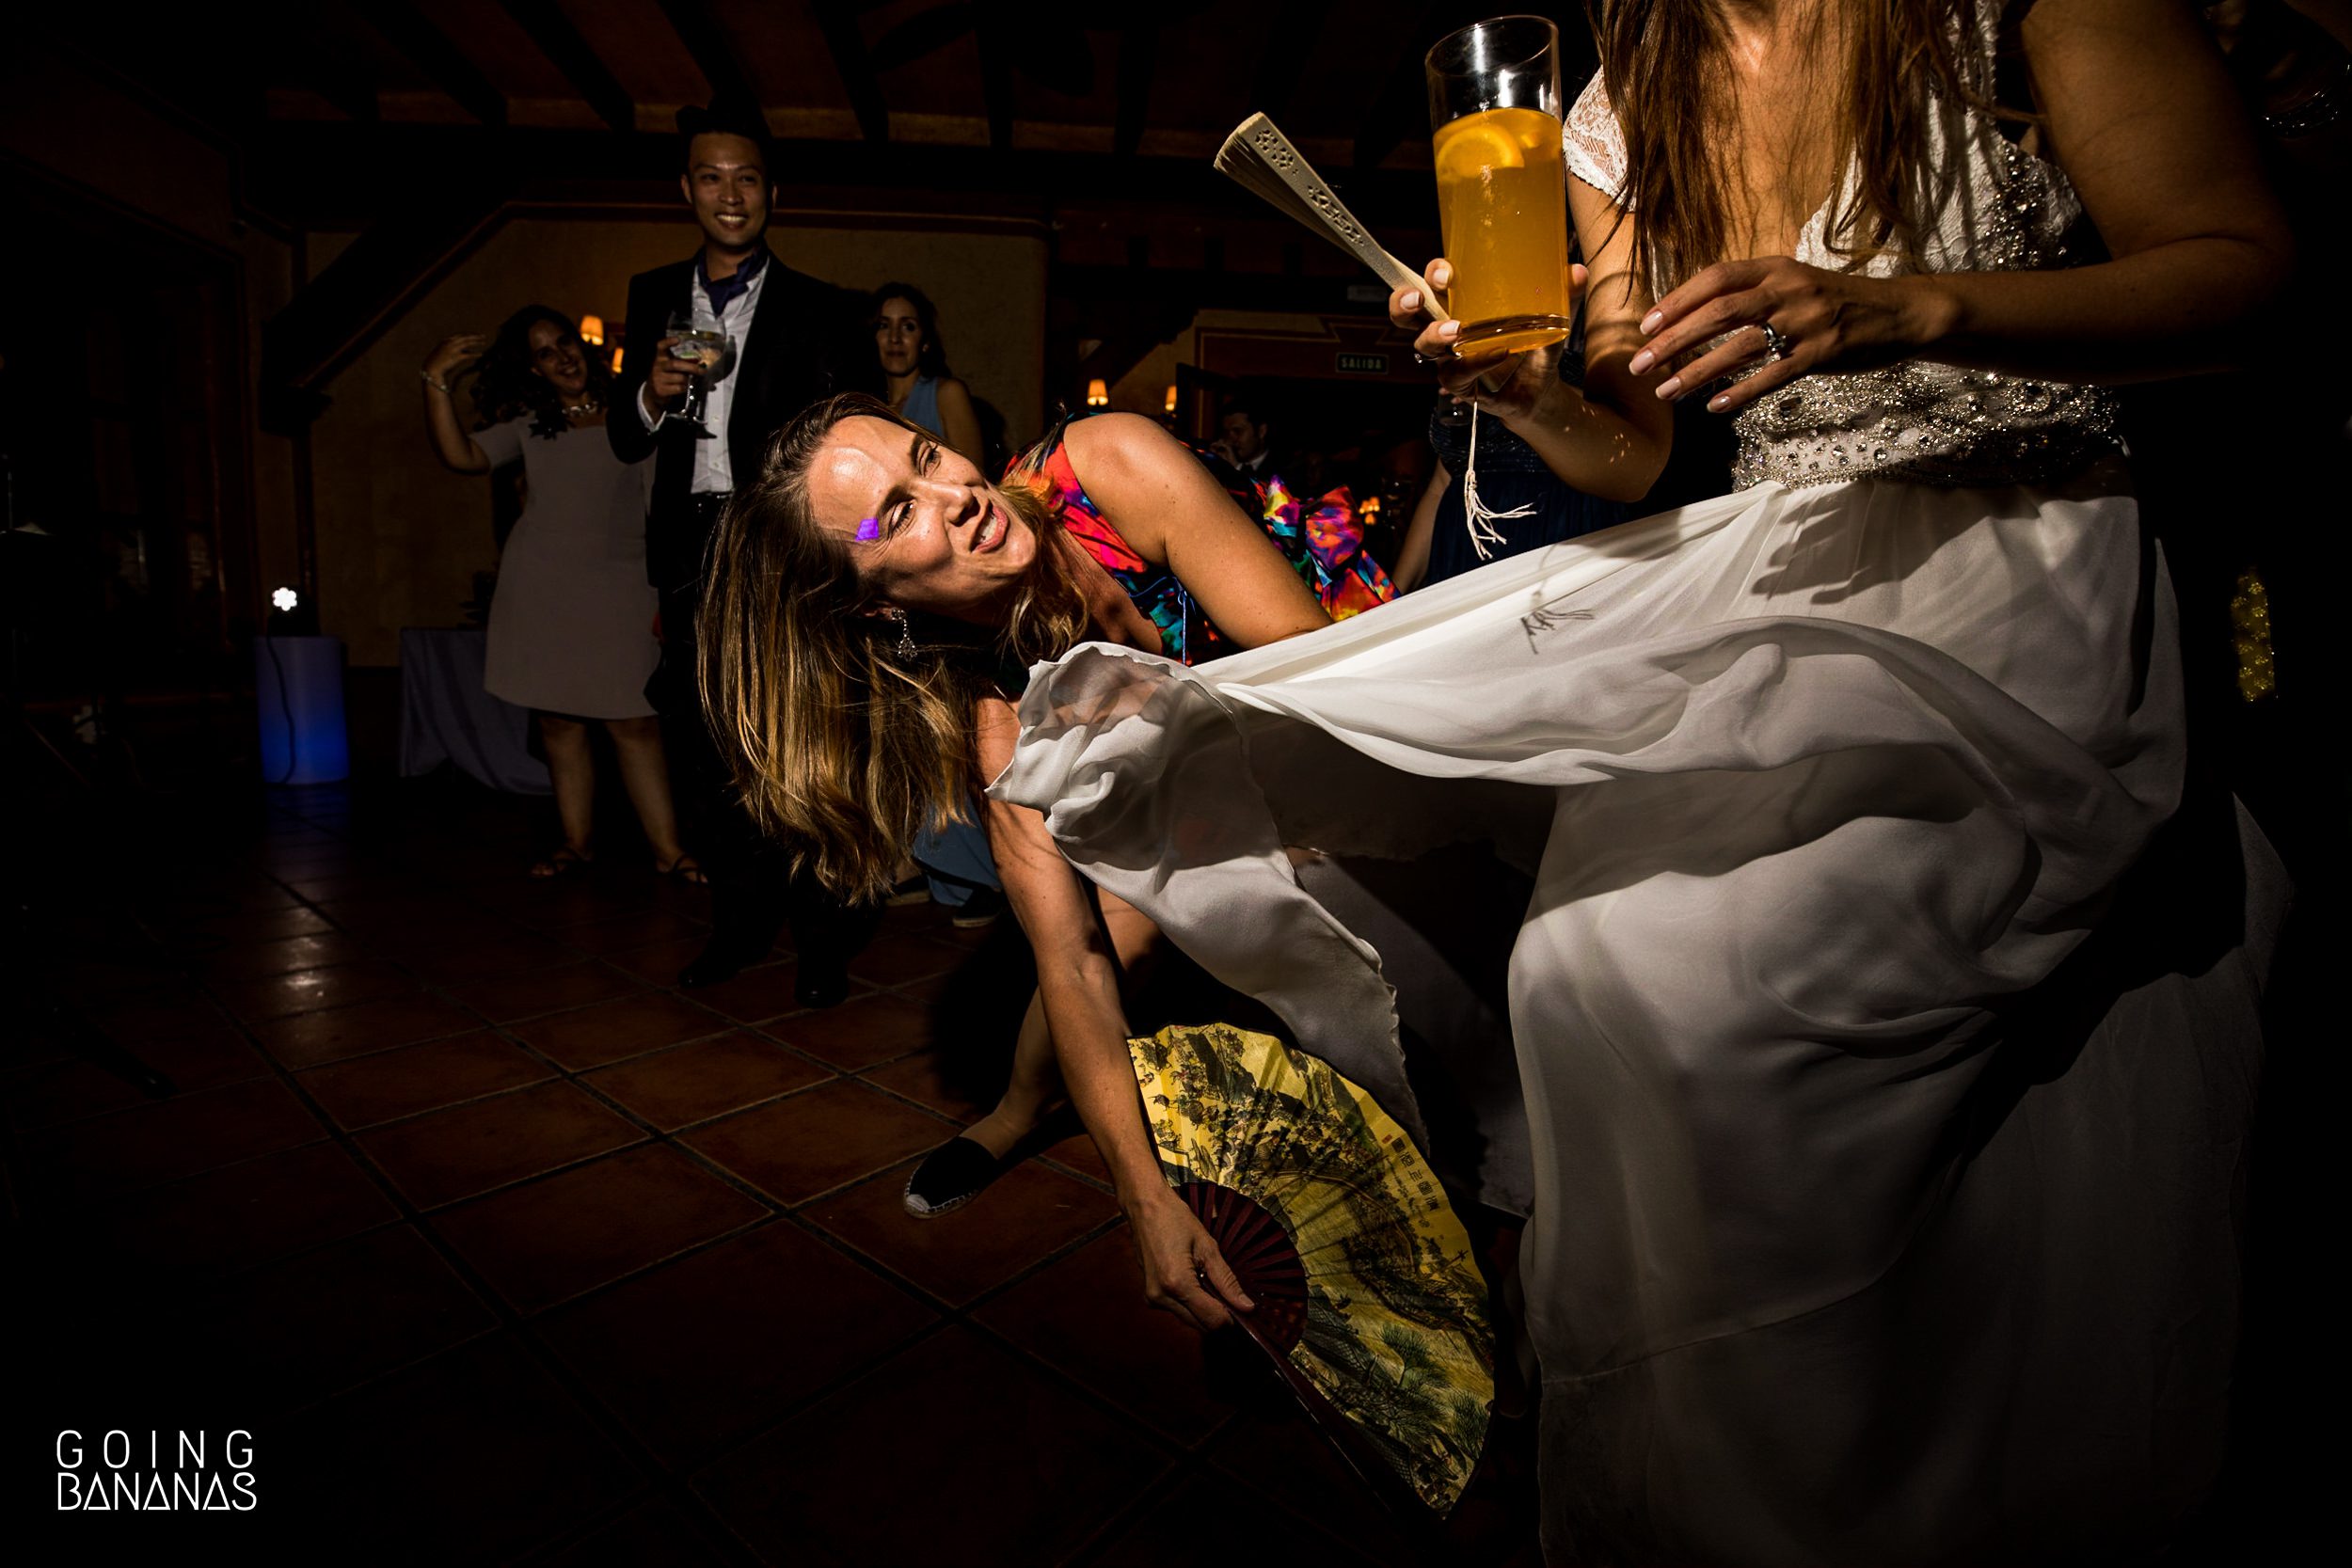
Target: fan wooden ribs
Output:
[{"x": 1262, "y": 1255}]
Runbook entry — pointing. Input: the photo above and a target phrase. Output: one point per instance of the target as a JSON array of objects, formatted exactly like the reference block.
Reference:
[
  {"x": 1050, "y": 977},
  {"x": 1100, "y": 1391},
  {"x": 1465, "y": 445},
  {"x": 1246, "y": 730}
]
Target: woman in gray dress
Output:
[{"x": 571, "y": 624}]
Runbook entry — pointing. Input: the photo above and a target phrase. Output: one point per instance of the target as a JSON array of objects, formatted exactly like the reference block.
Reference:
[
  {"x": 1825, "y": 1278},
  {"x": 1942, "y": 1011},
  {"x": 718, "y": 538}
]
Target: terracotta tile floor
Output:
[{"x": 507, "y": 1250}]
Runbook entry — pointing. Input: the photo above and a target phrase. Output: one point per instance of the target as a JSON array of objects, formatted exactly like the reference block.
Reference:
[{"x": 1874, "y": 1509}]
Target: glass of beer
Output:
[{"x": 1494, "y": 102}]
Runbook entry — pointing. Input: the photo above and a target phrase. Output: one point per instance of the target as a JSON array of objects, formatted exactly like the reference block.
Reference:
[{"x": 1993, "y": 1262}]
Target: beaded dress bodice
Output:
[{"x": 2000, "y": 209}]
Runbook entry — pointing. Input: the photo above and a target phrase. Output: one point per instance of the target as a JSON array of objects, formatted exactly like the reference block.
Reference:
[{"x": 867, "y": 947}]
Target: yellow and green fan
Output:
[{"x": 1368, "y": 1296}]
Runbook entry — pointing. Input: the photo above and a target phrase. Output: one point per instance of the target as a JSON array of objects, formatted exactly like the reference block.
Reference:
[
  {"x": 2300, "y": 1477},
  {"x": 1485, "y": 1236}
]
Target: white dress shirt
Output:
[{"x": 713, "y": 472}]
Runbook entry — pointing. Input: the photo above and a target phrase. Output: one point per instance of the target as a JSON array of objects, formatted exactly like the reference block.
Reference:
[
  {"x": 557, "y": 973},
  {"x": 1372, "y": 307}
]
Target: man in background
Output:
[
  {"x": 795, "y": 339},
  {"x": 1242, "y": 440}
]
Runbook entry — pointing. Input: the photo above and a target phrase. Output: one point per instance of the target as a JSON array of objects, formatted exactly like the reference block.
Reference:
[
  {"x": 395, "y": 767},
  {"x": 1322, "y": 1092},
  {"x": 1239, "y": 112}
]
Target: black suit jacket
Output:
[{"x": 808, "y": 341}]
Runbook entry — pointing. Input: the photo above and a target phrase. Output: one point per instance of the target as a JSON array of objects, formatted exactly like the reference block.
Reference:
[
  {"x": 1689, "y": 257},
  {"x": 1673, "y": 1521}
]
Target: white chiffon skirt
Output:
[{"x": 1877, "y": 1107}]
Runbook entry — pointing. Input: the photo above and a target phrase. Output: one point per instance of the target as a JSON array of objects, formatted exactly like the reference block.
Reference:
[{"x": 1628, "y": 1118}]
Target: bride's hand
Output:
[
  {"x": 1826, "y": 321},
  {"x": 1506, "y": 386},
  {"x": 1177, "y": 1255}
]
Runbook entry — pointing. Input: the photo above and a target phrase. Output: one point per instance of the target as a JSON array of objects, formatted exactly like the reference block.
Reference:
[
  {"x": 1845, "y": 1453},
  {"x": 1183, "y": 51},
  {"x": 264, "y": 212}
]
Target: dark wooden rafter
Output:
[
  {"x": 443, "y": 63},
  {"x": 846, "y": 42},
  {"x": 1138, "y": 56},
  {"x": 1289, "y": 51},
  {"x": 339, "y": 74},
  {"x": 305, "y": 171},
  {"x": 347, "y": 86},
  {"x": 344, "y": 308},
  {"x": 714, "y": 54},
  {"x": 1400, "y": 109},
  {"x": 996, "y": 30},
  {"x": 576, "y": 57}
]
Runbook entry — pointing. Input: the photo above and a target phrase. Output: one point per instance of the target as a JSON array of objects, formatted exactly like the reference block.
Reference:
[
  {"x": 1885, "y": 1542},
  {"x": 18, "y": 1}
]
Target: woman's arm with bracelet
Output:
[{"x": 458, "y": 451}]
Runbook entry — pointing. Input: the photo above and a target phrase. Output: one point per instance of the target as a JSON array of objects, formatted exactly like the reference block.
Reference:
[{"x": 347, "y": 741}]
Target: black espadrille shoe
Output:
[{"x": 950, "y": 1177}]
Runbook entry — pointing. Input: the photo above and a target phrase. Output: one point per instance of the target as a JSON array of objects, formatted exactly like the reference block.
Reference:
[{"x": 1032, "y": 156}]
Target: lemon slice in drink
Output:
[{"x": 1466, "y": 150}]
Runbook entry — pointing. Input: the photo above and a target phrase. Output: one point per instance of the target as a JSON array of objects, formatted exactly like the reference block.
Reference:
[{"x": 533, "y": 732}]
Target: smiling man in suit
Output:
[{"x": 796, "y": 339}]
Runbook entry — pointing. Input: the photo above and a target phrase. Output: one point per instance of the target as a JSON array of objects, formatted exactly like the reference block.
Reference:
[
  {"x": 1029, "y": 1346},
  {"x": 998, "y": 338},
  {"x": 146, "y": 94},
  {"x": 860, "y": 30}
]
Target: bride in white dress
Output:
[{"x": 1881, "y": 1155}]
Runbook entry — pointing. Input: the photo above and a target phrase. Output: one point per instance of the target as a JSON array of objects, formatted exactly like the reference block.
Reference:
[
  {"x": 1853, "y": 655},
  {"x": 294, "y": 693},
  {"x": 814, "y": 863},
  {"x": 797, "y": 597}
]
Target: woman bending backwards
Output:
[{"x": 876, "y": 602}]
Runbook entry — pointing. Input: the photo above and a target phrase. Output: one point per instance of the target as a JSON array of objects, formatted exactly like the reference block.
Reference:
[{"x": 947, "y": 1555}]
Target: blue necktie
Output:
[{"x": 723, "y": 291}]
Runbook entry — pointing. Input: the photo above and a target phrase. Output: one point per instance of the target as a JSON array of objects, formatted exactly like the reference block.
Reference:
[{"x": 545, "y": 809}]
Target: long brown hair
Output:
[
  {"x": 1663, "y": 63},
  {"x": 504, "y": 386},
  {"x": 840, "y": 748}
]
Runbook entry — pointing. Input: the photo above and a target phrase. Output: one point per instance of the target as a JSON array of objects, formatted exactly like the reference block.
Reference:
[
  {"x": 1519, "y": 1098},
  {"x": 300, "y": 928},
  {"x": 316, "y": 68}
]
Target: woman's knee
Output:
[{"x": 642, "y": 731}]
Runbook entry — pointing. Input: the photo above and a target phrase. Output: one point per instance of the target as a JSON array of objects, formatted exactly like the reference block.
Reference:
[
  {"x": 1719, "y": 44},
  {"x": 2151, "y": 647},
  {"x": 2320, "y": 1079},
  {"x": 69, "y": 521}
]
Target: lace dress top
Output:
[{"x": 1998, "y": 209}]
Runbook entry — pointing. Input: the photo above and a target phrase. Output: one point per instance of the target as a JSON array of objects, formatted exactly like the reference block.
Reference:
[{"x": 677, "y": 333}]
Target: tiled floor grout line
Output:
[
  {"x": 508, "y": 1319},
  {"x": 347, "y": 1138},
  {"x": 505, "y": 1317},
  {"x": 677, "y": 1486},
  {"x": 676, "y": 1491},
  {"x": 1093, "y": 1396},
  {"x": 785, "y": 1416},
  {"x": 1134, "y": 1511}
]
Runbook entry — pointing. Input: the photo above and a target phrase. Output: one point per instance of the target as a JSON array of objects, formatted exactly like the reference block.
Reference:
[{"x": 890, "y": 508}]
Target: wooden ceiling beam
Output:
[
  {"x": 344, "y": 308},
  {"x": 576, "y": 57},
  {"x": 997, "y": 34},
  {"x": 1400, "y": 110},
  {"x": 1138, "y": 58},
  {"x": 443, "y": 63},
  {"x": 845, "y": 43},
  {"x": 329, "y": 174},
  {"x": 714, "y": 54},
  {"x": 350, "y": 93},
  {"x": 1289, "y": 50}
]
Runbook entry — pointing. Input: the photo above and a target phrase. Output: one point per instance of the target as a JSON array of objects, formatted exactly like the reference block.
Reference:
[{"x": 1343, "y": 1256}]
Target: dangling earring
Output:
[{"x": 906, "y": 637}]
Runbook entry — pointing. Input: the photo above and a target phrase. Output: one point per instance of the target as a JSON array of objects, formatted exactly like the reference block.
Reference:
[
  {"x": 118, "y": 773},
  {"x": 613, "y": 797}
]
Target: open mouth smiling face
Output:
[
  {"x": 927, "y": 532},
  {"x": 726, "y": 182}
]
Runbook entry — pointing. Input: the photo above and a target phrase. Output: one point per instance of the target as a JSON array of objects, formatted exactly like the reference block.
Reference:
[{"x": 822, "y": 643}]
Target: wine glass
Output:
[{"x": 708, "y": 344}]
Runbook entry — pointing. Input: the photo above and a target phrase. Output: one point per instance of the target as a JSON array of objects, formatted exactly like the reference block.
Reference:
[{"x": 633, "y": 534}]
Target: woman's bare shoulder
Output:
[
  {"x": 1136, "y": 472},
  {"x": 1112, "y": 446}
]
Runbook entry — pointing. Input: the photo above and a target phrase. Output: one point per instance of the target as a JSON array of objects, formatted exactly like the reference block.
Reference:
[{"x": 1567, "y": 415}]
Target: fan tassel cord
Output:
[{"x": 1476, "y": 515}]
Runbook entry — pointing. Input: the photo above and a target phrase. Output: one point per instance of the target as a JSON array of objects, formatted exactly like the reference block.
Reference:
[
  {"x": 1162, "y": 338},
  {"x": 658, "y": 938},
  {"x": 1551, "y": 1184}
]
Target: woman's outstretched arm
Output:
[
  {"x": 2138, "y": 110},
  {"x": 1172, "y": 509},
  {"x": 458, "y": 451},
  {"x": 1078, "y": 979}
]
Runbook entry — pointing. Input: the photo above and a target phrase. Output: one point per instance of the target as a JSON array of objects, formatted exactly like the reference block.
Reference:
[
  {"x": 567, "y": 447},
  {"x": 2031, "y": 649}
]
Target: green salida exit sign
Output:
[{"x": 1365, "y": 364}]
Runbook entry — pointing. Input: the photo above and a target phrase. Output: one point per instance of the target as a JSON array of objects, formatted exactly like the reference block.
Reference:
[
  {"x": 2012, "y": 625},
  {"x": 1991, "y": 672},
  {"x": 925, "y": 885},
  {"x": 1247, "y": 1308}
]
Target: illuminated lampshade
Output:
[
  {"x": 591, "y": 332},
  {"x": 1171, "y": 400},
  {"x": 1098, "y": 393},
  {"x": 617, "y": 360}
]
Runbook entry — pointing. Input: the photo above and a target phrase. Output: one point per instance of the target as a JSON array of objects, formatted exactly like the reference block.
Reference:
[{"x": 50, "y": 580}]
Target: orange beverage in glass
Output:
[{"x": 1494, "y": 100}]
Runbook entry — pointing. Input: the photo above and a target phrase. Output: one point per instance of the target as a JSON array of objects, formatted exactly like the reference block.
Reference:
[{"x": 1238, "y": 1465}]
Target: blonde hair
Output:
[{"x": 837, "y": 746}]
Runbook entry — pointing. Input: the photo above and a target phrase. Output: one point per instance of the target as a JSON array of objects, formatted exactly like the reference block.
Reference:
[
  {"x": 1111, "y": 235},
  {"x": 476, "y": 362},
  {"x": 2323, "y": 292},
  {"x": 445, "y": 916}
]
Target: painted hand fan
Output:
[{"x": 1369, "y": 1298}]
